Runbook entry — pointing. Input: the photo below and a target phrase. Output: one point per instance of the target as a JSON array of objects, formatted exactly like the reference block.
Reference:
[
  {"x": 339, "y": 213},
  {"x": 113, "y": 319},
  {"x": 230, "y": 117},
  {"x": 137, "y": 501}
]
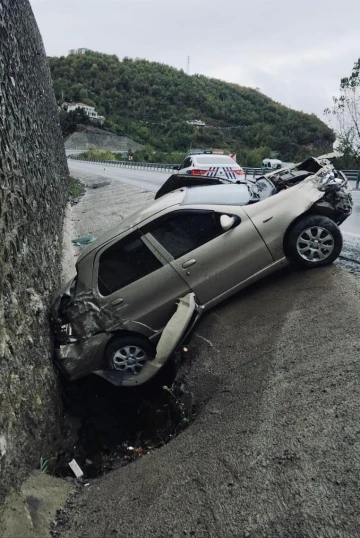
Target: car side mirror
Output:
[
  {"x": 176, "y": 167},
  {"x": 227, "y": 222}
]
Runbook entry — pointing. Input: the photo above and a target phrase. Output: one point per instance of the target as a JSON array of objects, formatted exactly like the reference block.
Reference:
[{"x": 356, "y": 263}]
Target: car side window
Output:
[
  {"x": 187, "y": 162},
  {"x": 125, "y": 262},
  {"x": 183, "y": 231}
]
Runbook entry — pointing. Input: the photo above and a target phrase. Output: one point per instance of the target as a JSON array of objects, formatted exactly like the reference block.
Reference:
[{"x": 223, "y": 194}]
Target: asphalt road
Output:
[
  {"x": 148, "y": 180},
  {"x": 352, "y": 225},
  {"x": 350, "y": 255}
]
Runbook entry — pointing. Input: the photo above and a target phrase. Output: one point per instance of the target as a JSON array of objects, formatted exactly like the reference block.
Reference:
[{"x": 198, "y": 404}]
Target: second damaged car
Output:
[{"x": 142, "y": 285}]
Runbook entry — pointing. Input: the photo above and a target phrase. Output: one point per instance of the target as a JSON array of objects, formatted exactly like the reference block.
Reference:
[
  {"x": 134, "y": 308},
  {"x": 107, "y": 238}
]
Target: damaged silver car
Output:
[{"x": 142, "y": 285}]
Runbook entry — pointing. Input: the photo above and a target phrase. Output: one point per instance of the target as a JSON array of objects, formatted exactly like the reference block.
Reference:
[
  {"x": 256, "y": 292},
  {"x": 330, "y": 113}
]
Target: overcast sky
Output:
[{"x": 295, "y": 53}]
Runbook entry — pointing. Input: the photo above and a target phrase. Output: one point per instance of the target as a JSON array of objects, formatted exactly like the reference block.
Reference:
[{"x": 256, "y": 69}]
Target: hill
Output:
[{"x": 152, "y": 103}]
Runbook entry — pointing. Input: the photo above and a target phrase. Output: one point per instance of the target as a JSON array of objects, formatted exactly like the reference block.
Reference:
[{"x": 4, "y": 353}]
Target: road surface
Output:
[
  {"x": 273, "y": 374},
  {"x": 148, "y": 180}
]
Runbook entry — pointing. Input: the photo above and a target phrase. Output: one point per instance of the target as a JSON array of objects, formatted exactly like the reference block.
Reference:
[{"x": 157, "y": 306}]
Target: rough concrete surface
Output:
[
  {"x": 105, "y": 205},
  {"x": 68, "y": 260},
  {"x": 274, "y": 450},
  {"x": 30, "y": 512},
  {"x": 91, "y": 137},
  {"x": 33, "y": 194}
]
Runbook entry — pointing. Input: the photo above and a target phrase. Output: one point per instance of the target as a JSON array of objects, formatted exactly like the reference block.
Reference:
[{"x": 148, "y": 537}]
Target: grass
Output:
[{"x": 76, "y": 188}]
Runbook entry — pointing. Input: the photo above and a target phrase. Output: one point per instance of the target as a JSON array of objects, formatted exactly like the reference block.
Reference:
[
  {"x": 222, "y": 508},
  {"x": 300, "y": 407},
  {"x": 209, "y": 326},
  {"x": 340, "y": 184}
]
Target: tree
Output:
[
  {"x": 345, "y": 115},
  {"x": 151, "y": 103},
  {"x": 70, "y": 120}
]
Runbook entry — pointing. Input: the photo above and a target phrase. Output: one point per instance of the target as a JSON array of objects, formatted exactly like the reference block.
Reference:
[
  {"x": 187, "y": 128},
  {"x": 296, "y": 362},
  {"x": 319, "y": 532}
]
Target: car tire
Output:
[
  {"x": 314, "y": 241},
  {"x": 129, "y": 353}
]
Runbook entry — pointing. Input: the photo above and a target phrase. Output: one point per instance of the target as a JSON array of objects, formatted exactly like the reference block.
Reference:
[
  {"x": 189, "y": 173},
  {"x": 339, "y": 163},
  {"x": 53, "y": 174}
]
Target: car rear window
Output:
[
  {"x": 125, "y": 262},
  {"x": 218, "y": 160},
  {"x": 235, "y": 194}
]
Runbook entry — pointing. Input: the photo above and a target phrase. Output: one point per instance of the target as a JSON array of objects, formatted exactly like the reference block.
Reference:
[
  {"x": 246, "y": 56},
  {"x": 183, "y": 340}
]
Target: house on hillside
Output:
[
  {"x": 197, "y": 123},
  {"x": 82, "y": 50},
  {"x": 89, "y": 110}
]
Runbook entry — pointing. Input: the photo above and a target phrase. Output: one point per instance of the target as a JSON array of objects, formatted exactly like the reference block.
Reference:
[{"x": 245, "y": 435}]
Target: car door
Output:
[
  {"x": 211, "y": 261},
  {"x": 132, "y": 281},
  {"x": 185, "y": 164}
]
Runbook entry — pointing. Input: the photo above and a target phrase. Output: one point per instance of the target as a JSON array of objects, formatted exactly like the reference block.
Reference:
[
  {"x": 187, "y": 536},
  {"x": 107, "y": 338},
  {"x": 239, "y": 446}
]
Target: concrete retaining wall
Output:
[
  {"x": 96, "y": 138},
  {"x": 33, "y": 192}
]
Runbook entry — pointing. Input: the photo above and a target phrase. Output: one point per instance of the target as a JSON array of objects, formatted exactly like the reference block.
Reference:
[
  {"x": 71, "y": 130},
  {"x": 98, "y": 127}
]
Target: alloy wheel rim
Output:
[
  {"x": 129, "y": 359},
  {"x": 315, "y": 244}
]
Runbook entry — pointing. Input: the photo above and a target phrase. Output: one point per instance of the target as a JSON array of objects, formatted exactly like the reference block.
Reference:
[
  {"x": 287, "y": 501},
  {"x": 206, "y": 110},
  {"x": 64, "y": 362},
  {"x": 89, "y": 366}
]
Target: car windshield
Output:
[
  {"x": 235, "y": 194},
  {"x": 212, "y": 160}
]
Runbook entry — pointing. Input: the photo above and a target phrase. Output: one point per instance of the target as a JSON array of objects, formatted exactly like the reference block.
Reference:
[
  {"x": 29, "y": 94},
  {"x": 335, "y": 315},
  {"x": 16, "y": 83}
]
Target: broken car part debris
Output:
[
  {"x": 76, "y": 469},
  {"x": 83, "y": 240}
]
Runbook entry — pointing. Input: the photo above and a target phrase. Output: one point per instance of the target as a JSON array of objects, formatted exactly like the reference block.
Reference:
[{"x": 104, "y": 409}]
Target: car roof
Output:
[
  {"x": 230, "y": 194},
  {"x": 211, "y": 156}
]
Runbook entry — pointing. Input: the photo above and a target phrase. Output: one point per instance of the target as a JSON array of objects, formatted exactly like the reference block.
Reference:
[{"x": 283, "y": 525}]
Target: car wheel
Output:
[
  {"x": 314, "y": 241},
  {"x": 128, "y": 354}
]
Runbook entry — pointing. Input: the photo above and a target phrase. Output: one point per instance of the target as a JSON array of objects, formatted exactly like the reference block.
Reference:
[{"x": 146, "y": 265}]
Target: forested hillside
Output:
[{"x": 152, "y": 102}]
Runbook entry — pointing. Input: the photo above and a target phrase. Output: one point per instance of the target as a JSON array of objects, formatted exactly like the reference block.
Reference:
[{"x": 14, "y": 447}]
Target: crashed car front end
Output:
[
  {"x": 337, "y": 196},
  {"x": 335, "y": 202},
  {"x": 76, "y": 352},
  {"x": 289, "y": 195}
]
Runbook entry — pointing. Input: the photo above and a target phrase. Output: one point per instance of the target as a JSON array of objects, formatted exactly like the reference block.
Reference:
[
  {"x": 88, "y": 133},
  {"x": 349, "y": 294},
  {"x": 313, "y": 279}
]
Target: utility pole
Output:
[{"x": 188, "y": 66}]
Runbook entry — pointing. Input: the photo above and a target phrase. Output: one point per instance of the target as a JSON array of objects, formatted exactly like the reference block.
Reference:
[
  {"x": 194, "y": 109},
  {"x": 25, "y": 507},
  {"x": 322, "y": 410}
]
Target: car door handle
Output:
[
  {"x": 117, "y": 301},
  {"x": 188, "y": 264}
]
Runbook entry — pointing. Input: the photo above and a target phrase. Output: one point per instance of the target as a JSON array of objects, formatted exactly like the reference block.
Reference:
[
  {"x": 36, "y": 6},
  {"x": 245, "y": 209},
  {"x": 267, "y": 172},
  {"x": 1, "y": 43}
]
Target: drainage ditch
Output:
[{"x": 107, "y": 427}]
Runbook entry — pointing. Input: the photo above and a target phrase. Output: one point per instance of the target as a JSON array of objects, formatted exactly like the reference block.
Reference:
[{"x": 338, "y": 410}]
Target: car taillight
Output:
[
  {"x": 239, "y": 172},
  {"x": 197, "y": 172}
]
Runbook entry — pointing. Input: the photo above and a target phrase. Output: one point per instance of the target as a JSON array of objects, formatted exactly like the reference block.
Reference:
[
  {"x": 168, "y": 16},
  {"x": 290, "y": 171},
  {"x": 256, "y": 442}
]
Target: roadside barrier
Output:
[{"x": 352, "y": 175}]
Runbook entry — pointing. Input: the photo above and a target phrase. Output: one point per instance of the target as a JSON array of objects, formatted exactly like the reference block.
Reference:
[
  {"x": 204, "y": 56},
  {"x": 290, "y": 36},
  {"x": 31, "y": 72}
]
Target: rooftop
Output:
[{"x": 80, "y": 105}]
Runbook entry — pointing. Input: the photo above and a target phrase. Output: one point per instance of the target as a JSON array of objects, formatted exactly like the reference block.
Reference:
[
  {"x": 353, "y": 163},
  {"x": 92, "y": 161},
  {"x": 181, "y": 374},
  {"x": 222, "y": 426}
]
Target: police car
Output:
[{"x": 209, "y": 164}]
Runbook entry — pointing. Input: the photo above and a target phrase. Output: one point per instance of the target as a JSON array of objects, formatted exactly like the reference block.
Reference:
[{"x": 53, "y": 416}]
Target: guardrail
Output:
[
  {"x": 352, "y": 175},
  {"x": 160, "y": 167}
]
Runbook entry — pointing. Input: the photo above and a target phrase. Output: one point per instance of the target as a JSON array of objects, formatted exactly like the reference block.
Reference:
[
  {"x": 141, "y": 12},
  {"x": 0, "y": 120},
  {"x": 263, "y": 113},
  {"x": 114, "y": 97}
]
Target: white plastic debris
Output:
[
  {"x": 76, "y": 469},
  {"x": 130, "y": 448}
]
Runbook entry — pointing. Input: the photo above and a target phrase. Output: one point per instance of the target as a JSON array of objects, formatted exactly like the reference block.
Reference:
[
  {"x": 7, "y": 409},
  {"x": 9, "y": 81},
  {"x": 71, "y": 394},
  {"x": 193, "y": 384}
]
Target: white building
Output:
[
  {"x": 89, "y": 110},
  {"x": 198, "y": 123},
  {"x": 79, "y": 51}
]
